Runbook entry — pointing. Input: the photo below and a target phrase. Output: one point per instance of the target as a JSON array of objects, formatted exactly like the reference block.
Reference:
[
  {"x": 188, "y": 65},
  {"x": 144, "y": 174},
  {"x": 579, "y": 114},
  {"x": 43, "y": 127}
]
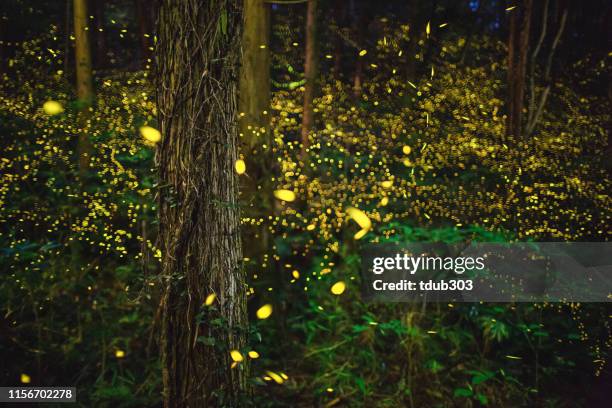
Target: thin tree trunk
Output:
[
  {"x": 532, "y": 66},
  {"x": 310, "y": 71},
  {"x": 522, "y": 67},
  {"x": 255, "y": 74},
  {"x": 512, "y": 35},
  {"x": 256, "y": 185},
  {"x": 199, "y": 218},
  {"x": 84, "y": 79},
  {"x": 518, "y": 46}
]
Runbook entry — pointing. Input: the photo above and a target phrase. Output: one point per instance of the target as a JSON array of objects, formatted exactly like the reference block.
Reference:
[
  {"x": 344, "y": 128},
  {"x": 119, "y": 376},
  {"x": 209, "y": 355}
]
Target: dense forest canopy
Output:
[{"x": 186, "y": 188}]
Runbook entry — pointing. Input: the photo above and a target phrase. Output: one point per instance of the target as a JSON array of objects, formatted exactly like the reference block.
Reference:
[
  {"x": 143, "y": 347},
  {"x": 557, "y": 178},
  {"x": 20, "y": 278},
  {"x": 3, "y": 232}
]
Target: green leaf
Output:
[
  {"x": 463, "y": 392},
  {"x": 358, "y": 328},
  {"x": 482, "y": 399},
  {"x": 360, "y": 384},
  {"x": 480, "y": 377}
]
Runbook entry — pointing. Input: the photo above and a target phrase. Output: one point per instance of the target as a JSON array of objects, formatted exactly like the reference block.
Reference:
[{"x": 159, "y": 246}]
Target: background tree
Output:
[
  {"x": 254, "y": 106},
  {"x": 84, "y": 77},
  {"x": 537, "y": 102},
  {"x": 518, "y": 45},
  {"x": 255, "y": 73},
  {"x": 310, "y": 70},
  {"x": 199, "y": 220}
]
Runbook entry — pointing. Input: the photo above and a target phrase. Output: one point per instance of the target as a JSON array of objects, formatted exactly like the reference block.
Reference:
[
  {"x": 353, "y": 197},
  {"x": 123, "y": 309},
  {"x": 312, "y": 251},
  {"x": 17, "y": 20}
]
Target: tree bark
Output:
[
  {"x": 198, "y": 55},
  {"x": 255, "y": 74},
  {"x": 84, "y": 79},
  {"x": 518, "y": 45},
  {"x": 310, "y": 71}
]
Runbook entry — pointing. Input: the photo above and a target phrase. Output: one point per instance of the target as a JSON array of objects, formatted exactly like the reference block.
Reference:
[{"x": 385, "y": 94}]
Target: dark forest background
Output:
[{"x": 357, "y": 121}]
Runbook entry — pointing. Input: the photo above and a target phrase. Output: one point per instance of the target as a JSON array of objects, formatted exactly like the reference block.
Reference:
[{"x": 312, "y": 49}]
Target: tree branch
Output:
[
  {"x": 547, "y": 70},
  {"x": 534, "y": 56}
]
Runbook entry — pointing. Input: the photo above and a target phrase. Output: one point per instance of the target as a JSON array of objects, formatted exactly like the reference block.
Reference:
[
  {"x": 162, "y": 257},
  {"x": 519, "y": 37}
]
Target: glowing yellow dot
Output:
[
  {"x": 277, "y": 378},
  {"x": 264, "y": 312},
  {"x": 25, "y": 379},
  {"x": 53, "y": 108},
  {"x": 338, "y": 288},
  {"x": 285, "y": 195},
  {"x": 119, "y": 353},
  {"x": 236, "y": 356},
  {"x": 210, "y": 299},
  {"x": 240, "y": 166},
  {"x": 150, "y": 134}
]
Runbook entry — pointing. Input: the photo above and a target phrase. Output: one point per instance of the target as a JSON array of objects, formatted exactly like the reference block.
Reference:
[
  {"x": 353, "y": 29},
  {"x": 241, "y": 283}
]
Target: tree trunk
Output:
[
  {"x": 199, "y": 219},
  {"x": 257, "y": 186},
  {"x": 84, "y": 79},
  {"x": 512, "y": 35},
  {"x": 518, "y": 45},
  {"x": 310, "y": 71},
  {"x": 255, "y": 74}
]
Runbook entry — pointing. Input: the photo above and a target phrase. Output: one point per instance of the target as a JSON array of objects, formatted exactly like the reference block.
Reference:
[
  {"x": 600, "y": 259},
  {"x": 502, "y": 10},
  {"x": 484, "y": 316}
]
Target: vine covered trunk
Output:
[{"x": 198, "y": 55}]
